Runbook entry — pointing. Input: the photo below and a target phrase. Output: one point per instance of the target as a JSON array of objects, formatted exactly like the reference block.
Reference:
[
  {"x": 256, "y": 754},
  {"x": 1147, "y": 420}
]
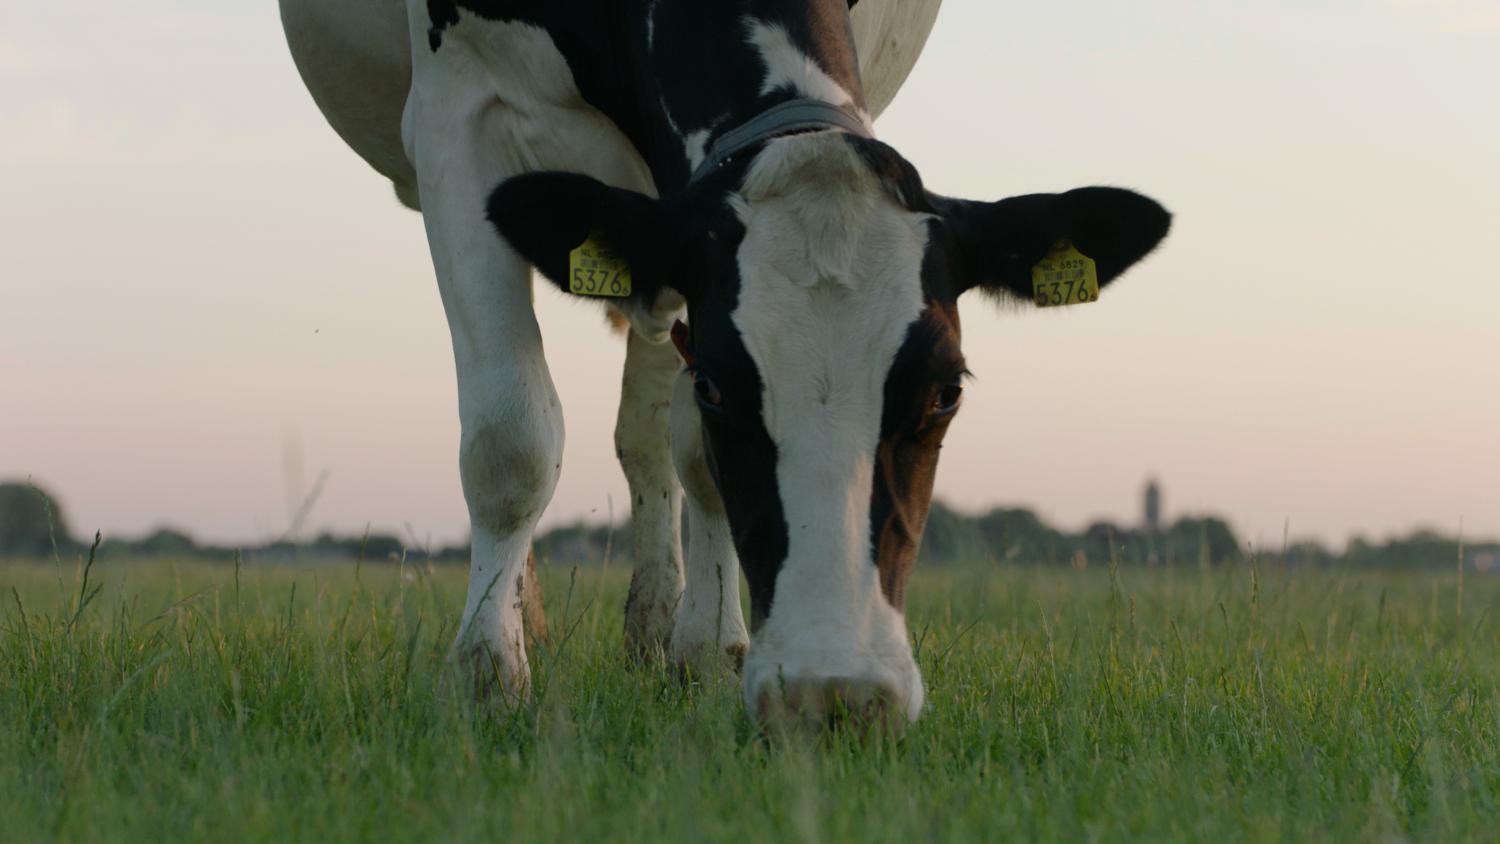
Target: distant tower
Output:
[{"x": 1152, "y": 502}]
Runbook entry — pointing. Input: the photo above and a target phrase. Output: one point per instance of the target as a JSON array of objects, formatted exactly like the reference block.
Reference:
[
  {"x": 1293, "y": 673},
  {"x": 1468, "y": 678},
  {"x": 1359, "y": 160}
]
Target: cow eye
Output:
[
  {"x": 707, "y": 392},
  {"x": 948, "y": 398}
]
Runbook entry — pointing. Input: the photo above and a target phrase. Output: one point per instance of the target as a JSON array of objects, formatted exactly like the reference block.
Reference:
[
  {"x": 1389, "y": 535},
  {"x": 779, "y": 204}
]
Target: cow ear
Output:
[
  {"x": 1001, "y": 241},
  {"x": 545, "y": 216}
]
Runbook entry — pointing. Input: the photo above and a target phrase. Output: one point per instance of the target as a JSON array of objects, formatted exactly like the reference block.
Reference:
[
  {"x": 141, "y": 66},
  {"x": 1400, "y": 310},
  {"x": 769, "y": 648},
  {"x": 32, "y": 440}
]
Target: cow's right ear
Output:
[{"x": 545, "y": 216}]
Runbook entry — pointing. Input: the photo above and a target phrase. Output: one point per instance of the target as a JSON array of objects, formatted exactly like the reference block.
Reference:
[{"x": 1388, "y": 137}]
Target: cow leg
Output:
[
  {"x": 454, "y": 130},
  {"x": 509, "y": 455},
  {"x": 642, "y": 442},
  {"x": 511, "y": 448},
  {"x": 533, "y": 613},
  {"x": 710, "y": 631}
]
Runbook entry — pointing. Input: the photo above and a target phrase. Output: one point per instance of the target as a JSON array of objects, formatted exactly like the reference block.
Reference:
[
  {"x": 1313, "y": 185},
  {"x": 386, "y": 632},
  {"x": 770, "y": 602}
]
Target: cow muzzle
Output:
[{"x": 833, "y": 675}]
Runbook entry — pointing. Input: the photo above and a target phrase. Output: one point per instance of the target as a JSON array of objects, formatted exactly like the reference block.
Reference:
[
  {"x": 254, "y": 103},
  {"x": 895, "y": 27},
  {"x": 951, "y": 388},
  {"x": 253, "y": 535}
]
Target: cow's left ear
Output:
[
  {"x": 545, "y": 216},
  {"x": 1001, "y": 241}
]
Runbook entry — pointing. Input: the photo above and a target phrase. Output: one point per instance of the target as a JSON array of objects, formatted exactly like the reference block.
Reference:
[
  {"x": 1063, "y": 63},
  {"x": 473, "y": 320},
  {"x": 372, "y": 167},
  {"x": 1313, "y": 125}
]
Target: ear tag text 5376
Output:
[
  {"x": 1065, "y": 277},
  {"x": 596, "y": 270}
]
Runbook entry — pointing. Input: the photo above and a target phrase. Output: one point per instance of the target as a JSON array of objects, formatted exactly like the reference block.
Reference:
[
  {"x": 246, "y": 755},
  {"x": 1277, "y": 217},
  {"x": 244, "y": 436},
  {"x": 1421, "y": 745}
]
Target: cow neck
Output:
[
  {"x": 718, "y": 80},
  {"x": 786, "y": 118}
]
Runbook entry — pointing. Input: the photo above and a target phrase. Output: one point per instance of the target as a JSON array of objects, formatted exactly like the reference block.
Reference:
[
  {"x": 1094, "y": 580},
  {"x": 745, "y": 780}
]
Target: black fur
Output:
[
  {"x": 741, "y": 454},
  {"x": 546, "y": 215}
]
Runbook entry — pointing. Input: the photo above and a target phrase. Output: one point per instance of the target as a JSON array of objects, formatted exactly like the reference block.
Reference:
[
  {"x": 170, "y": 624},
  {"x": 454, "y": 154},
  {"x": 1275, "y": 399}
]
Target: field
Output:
[{"x": 194, "y": 701}]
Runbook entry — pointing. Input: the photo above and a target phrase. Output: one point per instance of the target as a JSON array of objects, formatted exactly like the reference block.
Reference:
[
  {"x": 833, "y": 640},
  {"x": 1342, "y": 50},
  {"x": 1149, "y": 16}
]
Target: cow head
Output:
[{"x": 822, "y": 284}]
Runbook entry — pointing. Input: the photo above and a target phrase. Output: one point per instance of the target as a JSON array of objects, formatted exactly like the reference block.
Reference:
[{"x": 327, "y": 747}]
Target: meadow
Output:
[{"x": 180, "y": 700}]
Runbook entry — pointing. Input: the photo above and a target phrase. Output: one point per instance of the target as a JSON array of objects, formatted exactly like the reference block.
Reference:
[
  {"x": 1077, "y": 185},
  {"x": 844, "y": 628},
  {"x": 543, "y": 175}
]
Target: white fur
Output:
[
  {"x": 787, "y": 66},
  {"x": 696, "y": 144},
  {"x": 830, "y": 283}
]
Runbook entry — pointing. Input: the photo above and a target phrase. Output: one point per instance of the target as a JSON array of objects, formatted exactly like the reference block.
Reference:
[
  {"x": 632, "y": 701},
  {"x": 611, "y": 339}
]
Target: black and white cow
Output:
[{"x": 725, "y": 151}]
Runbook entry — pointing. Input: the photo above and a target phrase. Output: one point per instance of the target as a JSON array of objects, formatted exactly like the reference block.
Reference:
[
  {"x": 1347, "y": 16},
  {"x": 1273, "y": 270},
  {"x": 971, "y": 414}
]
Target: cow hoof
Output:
[
  {"x": 814, "y": 705},
  {"x": 493, "y": 675},
  {"x": 648, "y": 622},
  {"x": 644, "y": 643},
  {"x": 707, "y": 660}
]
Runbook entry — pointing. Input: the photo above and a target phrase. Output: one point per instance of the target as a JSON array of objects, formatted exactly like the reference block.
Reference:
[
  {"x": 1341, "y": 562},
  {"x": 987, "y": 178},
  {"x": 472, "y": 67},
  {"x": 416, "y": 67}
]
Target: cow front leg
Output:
[
  {"x": 455, "y": 131},
  {"x": 642, "y": 442},
  {"x": 709, "y": 636},
  {"x": 509, "y": 455}
]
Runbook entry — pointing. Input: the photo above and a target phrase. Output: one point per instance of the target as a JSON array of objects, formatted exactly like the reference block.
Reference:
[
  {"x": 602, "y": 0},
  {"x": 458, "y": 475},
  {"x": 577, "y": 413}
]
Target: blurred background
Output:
[{"x": 214, "y": 316}]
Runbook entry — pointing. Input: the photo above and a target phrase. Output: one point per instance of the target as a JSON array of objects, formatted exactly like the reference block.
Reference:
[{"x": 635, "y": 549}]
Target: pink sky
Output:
[{"x": 195, "y": 273}]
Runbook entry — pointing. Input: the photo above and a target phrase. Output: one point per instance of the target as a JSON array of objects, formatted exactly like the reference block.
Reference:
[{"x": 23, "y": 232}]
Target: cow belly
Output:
[
  {"x": 890, "y": 35},
  {"x": 354, "y": 56}
]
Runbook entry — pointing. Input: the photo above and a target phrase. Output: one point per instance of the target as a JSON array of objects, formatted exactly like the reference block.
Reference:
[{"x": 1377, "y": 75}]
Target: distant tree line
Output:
[
  {"x": 1017, "y": 535},
  {"x": 33, "y": 525}
]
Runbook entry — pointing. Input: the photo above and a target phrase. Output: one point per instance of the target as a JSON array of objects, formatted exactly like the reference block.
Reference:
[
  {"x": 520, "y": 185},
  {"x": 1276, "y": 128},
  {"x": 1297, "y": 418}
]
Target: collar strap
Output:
[{"x": 801, "y": 115}]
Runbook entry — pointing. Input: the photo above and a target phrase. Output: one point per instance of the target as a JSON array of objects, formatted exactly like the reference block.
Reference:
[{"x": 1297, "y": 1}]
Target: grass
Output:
[{"x": 194, "y": 701}]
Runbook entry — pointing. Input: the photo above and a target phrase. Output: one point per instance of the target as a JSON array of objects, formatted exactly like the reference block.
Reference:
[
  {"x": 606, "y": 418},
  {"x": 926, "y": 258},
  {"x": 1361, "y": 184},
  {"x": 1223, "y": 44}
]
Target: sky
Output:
[{"x": 207, "y": 302}]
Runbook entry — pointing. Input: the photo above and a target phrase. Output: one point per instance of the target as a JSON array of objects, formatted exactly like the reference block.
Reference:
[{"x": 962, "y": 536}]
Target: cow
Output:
[{"x": 709, "y": 172}]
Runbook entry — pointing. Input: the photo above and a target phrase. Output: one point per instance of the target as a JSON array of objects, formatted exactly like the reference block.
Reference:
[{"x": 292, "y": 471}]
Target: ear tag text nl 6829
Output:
[
  {"x": 1065, "y": 277},
  {"x": 595, "y": 270}
]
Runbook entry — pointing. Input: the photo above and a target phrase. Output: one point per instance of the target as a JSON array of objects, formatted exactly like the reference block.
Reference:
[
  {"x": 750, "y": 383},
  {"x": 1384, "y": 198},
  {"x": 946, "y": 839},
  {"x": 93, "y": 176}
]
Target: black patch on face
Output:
[{"x": 741, "y": 455}]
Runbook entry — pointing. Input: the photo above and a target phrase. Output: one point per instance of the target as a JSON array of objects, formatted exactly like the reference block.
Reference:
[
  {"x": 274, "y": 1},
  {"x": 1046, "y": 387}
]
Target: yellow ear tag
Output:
[
  {"x": 596, "y": 270},
  {"x": 1065, "y": 277}
]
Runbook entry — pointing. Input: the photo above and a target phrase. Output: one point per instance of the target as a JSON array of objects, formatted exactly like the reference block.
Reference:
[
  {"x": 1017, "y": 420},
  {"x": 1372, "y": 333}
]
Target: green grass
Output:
[{"x": 185, "y": 701}]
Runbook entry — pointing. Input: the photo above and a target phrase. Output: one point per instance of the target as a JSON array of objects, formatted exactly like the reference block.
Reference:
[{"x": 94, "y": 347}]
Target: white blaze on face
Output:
[{"x": 830, "y": 282}]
